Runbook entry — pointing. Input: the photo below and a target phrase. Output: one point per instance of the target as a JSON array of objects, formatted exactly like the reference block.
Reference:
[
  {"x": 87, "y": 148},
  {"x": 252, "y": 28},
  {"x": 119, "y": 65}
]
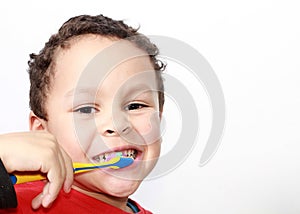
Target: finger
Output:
[
  {"x": 47, "y": 198},
  {"x": 55, "y": 175},
  {"x": 52, "y": 188},
  {"x": 66, "y": 170},
  {"x": 37, "y": 201},
  {"x": 69, "y": 172}
]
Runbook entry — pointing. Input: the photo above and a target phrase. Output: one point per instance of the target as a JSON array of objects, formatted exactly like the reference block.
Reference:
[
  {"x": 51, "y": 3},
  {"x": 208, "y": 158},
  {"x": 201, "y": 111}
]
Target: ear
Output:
[{"x": 36, "y": 123}]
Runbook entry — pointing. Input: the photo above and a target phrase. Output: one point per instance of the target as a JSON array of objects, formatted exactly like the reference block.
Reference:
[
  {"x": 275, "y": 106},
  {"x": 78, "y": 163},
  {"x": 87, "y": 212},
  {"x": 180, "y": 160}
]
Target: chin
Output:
[
  {"x": 121, "y": 188},
  {"x": 114, "y": 187}
]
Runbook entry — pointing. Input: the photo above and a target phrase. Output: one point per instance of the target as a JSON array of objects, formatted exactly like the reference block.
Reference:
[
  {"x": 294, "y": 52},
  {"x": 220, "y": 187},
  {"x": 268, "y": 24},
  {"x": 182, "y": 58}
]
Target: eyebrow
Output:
[
  {"x": 137, "y": 88},
  {"x": 87, "y": 90},
  {"x": 127, "y": 92}
]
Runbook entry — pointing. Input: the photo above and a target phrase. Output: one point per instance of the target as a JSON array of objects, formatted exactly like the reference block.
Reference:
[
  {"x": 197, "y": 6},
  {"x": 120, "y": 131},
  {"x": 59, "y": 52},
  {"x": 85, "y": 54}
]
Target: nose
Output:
[
  {"x": 110, "y": 126},
  {"x": 112, "y": 132}
]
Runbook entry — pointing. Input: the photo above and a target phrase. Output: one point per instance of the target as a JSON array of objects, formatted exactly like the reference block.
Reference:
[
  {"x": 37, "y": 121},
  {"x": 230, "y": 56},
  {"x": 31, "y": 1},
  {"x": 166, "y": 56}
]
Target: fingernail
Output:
[{"x": 67, "y": 190}]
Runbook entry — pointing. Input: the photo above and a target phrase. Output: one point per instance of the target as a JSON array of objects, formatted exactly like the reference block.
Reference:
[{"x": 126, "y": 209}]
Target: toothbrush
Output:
[{"x": 114, "y": 163}]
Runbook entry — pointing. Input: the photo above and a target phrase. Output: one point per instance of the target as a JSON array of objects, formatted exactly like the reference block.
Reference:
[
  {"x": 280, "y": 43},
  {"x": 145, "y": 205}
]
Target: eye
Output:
[
  {"x": 87, "y": 110},
  {"x": 135, "y": 106}
]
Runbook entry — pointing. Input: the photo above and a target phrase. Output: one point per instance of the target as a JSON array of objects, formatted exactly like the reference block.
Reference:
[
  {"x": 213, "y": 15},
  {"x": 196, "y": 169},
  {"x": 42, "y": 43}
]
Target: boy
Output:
[{"x": 96, "y": 89}]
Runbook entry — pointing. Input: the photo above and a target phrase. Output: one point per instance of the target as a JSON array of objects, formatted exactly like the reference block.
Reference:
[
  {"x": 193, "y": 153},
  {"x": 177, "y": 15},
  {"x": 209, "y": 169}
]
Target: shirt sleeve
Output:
[{"x": 8, "y": 198}]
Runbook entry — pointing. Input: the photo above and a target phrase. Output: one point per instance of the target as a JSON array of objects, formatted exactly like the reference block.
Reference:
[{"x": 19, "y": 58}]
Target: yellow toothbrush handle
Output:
[
  {"x": 23, "y": 177},
  {"x": 19, "y": 177},
  {"x": 84, "y": 167}
]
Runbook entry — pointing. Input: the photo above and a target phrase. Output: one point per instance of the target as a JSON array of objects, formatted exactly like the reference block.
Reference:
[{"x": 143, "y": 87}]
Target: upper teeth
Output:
[
  {"x": 130, "y": 153},
  {"x": 107, "y": 156}
]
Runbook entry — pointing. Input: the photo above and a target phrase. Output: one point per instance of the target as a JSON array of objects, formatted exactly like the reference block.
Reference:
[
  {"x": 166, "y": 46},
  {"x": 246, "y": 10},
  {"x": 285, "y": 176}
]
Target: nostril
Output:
[
  {"x": 110, "y": 131},
  {"x": 114, "y": 132}
]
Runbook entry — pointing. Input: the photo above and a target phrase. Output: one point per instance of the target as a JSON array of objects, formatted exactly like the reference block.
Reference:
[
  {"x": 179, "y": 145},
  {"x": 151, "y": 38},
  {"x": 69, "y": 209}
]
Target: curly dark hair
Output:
[{"x": 41, "y": 65}]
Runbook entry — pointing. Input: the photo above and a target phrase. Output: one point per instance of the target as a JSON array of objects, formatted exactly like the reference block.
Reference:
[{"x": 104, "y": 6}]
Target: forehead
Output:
[
  {"x": 90, "y": 59},
  {"x": 77, "y": 52}
]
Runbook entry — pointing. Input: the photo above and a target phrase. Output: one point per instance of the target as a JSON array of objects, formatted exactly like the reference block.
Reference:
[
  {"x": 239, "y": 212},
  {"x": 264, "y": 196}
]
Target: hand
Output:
[{"x": 38, "y": 151}]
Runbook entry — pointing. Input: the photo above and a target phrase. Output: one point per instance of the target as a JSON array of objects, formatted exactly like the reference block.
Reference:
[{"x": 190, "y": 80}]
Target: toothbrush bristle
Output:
[{"x": 119, "y": 154}]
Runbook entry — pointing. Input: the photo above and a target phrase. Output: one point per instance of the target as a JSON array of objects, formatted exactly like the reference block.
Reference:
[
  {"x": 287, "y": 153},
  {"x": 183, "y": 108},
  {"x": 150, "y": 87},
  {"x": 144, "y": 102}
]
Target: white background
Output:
[{"x": 254, "y": 48}]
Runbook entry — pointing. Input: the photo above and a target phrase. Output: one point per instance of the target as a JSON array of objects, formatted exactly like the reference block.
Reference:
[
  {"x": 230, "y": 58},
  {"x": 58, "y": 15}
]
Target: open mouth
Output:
[{"x": 128, "y": 153}]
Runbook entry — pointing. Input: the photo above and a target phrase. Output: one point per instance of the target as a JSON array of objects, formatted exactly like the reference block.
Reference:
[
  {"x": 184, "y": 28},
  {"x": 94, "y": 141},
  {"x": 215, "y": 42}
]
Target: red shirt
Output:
[{"x": 73, "y": 202}]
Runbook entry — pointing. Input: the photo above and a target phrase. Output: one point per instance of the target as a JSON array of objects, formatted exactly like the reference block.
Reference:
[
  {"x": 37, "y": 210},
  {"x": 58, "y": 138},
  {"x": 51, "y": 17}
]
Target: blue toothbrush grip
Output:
[{"x": 13, "y": 179}]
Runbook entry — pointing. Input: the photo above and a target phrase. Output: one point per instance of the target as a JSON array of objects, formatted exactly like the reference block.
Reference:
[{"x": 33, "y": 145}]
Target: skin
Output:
[
  {"x": 46, "y": 156},
  {"x": 99, "y": 118}
]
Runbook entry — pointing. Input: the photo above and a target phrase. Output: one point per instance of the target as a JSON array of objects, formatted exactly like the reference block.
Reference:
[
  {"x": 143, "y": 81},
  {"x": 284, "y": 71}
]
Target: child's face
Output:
[{"x": 90, "y": 119}]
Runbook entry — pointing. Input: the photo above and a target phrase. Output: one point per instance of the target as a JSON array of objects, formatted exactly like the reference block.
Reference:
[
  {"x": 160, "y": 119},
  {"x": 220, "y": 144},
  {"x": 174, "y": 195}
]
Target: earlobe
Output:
[{"x": 36, "y": 123}]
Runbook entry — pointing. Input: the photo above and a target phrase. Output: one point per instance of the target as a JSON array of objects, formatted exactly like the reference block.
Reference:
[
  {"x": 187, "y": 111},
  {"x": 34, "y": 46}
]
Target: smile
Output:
[{"x": 130, "y": 153}]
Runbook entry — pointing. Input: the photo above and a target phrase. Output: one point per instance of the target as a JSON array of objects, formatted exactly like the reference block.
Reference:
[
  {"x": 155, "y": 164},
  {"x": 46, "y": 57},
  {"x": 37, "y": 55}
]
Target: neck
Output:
[{"x": 120, "y": 203}]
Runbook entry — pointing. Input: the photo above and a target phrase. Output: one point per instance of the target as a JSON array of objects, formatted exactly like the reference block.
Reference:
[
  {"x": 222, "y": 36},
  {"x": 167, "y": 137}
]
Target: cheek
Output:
[
  {"x": 69, "y": 138},
  {"x": 148, "y": 126}
]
